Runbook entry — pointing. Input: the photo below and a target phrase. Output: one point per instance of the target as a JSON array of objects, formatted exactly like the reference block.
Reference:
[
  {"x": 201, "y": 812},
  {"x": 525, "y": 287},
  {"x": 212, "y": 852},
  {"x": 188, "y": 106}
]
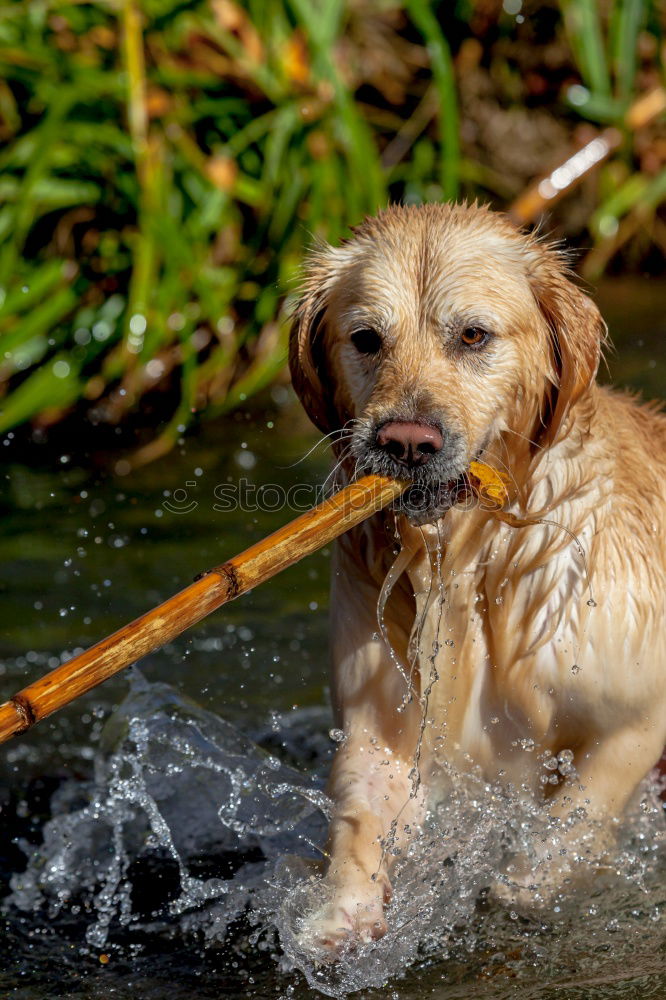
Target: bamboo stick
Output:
[{"x": 213, "y": 588}]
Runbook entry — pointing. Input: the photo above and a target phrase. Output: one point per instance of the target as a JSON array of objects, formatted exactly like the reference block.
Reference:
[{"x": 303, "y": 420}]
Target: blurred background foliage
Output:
[{"x": 165, "y": 163}]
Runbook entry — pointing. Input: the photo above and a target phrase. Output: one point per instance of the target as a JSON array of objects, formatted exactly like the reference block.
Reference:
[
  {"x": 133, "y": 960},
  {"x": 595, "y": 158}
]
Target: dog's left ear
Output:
[
  {"x": 312, "y": 382},
  {"x": 305, "y": 359},
  {"x": 577, "y": 334}
]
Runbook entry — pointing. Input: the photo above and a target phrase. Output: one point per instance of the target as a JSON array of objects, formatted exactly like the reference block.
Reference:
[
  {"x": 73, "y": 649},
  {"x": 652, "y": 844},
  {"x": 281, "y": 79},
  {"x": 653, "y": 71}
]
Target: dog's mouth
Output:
[
  {"x": 424, "y": 502},
  {"x": 437, "y": 482}
]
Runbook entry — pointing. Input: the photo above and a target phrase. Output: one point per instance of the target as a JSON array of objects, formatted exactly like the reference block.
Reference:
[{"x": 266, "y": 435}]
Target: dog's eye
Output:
[
  {"x": 367, "y": 341},
  {"x": 474, "y": 336}
]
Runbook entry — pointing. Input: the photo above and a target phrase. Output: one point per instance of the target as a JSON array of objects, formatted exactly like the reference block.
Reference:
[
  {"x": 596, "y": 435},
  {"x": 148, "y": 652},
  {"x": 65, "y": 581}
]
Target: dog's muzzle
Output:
[{"x": 421, "y": 450}]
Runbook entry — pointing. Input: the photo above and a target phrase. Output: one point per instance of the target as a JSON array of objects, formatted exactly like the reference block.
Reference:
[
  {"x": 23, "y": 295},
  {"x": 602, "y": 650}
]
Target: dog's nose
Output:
[{"x": 410, "y": 443}]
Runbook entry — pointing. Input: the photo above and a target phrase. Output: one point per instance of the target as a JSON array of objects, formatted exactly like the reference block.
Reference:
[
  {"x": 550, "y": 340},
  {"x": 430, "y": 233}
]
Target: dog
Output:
[{"x": 435, "y": 336}]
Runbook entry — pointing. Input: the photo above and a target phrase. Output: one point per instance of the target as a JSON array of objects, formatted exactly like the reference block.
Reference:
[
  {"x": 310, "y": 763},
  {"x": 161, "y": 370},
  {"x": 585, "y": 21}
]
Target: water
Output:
[
  {"x": 189, "y": 832},
  {"x": 173, "y": 847}
]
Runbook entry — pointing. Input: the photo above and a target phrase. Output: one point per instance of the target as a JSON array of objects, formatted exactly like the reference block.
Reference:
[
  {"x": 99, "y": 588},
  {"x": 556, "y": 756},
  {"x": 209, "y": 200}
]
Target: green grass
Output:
[{"x": 164, "y": 163}]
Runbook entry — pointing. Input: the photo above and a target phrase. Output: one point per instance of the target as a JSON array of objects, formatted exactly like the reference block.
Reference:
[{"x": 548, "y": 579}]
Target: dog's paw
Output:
[{"x": 349, "y": 917}]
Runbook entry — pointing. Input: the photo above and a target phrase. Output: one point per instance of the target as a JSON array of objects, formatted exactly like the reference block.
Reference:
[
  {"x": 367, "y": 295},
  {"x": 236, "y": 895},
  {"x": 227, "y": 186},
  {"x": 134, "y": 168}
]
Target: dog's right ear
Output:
[
  {"x": 307, "y": 358},
  {"x": 577, "y": 336}
]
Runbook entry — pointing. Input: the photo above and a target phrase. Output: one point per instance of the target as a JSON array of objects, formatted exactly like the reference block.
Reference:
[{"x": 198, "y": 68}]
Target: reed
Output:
[
  {"x": 616, "y": 94},
  {"x": 164, "y": 165}
]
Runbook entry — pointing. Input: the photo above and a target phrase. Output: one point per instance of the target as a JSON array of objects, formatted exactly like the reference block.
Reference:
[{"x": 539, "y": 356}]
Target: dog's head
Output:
[{"x": 435, "y": 332}]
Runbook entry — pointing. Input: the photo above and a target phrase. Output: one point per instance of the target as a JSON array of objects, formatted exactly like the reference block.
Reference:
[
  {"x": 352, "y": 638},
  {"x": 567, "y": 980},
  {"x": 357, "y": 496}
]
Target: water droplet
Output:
[
  {"x": 575, "y": 669},
  {"x": 499, "y": 600},
  {"x": 138, "y": 324},
  {"x": 591, "y": 603},
  {"x": 336, "y": 735}
]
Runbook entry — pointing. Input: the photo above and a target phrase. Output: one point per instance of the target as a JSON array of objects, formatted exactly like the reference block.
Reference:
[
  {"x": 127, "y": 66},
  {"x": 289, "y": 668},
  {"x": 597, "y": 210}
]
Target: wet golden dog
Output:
[{"x": 435, "y": 336}]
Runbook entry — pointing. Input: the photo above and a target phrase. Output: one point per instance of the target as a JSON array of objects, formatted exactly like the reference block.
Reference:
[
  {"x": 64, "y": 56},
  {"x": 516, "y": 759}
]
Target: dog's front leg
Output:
[
  {"x": 609, "y": 769},
  {"x": 375, "y": 802}
]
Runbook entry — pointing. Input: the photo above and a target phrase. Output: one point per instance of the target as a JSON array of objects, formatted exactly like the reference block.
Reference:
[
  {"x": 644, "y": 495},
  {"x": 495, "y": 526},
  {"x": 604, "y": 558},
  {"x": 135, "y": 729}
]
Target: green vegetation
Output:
[
  {"x": 165, "y": 162},
  {"x": 617, "y": 58}
]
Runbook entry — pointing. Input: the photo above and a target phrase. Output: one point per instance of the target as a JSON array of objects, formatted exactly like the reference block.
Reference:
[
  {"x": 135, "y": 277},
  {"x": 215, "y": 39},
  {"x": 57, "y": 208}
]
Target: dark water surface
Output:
[{"x": 81, "y": 555}]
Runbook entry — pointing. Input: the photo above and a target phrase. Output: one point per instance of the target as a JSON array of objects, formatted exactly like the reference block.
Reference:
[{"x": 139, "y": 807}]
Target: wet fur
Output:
[{"x": 517, "y": 607}]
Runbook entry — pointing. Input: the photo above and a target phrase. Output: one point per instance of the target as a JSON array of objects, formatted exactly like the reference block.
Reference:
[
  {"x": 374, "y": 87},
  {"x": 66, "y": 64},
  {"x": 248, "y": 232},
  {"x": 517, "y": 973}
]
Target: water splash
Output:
[
  {"x": 177, "y": 783},
  {"x": 178, "y": 792}
]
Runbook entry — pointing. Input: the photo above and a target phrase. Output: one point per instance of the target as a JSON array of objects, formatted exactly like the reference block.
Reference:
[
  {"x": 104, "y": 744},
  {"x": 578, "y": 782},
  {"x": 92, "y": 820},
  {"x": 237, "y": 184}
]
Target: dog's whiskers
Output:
[
  {"x": 336, "y": 468},
  {"x": 525, "y": 438},
  {"x": 344, "y": 431}
]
